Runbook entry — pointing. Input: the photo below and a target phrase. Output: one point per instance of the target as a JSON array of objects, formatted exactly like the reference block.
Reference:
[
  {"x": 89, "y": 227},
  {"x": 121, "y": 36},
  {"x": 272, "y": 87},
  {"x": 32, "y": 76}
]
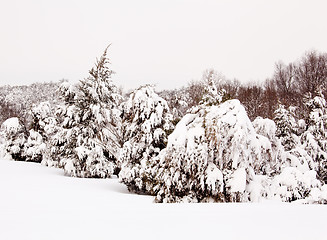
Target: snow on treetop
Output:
[
  {"x": 265, "y": 127},
  {"x": 146, "y": 104}
]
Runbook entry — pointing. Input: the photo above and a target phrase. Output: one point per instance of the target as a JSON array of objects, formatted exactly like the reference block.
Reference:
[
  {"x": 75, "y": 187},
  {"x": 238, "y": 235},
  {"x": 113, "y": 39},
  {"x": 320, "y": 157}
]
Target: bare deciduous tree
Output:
[
  {"x": 311, "y": 73},
  {"x": 285, "y": 84}
]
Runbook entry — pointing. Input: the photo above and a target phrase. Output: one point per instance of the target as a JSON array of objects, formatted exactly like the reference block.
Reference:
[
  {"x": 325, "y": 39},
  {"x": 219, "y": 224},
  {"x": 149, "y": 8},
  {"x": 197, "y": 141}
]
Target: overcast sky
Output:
[{"x": 167, "y": 43}]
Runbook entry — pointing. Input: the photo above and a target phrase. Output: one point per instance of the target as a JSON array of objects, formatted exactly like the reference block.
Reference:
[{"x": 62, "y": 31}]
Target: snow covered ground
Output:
[{"x": 37, "y": 202}]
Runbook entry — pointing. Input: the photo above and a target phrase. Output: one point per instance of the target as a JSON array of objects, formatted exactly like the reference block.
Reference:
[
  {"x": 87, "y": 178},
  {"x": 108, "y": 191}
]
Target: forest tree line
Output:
[{"x": 290, "y": 85}]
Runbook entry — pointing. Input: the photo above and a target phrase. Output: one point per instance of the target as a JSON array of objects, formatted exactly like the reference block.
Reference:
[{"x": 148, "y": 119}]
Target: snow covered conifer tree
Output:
[
  {"x": 14, "y": 134},
  {"x": 43, "y": 119},
  {"x": 211, "y": 95},
  {"x": 147, "y": 121},
  {"x": 178, "y": 101},
  {"x": 314, "y": 139},
  {"x": 268, "y": 129},
  {"x": 43, "y": 126},
  {"x": 286, "y": 127},
  {"x": 88, "y": 143},
  {"x": 211, "y": 156},
  {"x": 34, "y": 147}
]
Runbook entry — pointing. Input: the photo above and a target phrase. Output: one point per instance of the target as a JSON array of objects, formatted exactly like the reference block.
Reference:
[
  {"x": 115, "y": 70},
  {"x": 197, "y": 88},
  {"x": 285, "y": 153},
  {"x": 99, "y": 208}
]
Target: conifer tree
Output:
[
  {"x": 147, "y": 123},
  {"x": 88, "y": 143},
  {"x": 15, "y": 135},
  {"x": 286, "y": 127},
  {"x": 211, "y": 155},
  {"x": 43, "y": 125},
  {"x": 314, "y": 139},
  {"x": 211, "y": 95}
]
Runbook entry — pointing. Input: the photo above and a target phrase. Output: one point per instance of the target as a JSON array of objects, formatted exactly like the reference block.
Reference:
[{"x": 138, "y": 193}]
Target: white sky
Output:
[{"x": 163, "y": 42}]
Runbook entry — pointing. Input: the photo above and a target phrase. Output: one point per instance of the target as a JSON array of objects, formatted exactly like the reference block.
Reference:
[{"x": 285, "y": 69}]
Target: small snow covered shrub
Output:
[
  {"x": 147, "y": 121},
  {"x": 293, "y": 184},
  {"x": 317, "y": 195},
  {"x": 14, "y": 135},
  {"x": 43, "y": 126},
  {"x": 87, "y": 141},
  {"x": 267, "y": 128},
  {"x": 43, "y": 120},
  {"x": 290, "y": 185},
  {"x": 211, "y": 156},
  {"x": 34, "y": 147}
]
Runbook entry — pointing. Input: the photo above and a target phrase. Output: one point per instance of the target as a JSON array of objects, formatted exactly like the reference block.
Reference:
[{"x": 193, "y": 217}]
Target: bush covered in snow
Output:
[
  {"x": 34, "y": 147},
  {"x": 267, "y": 128},
  {"x": 43, "y": 126},
  {"x": 43, "y": 120},
  {"x": 14, "y": 135},
  {"x": 293, "y": 184},
  {"x": 211, "y": 155},
  {"x": 146, "y": 120},
  {"x": 290, "y": 185}
]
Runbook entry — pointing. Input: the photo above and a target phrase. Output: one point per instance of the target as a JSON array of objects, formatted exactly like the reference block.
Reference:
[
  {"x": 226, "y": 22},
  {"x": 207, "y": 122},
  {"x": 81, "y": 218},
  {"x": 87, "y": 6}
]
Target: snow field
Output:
[{"x": 37, "y": 202}]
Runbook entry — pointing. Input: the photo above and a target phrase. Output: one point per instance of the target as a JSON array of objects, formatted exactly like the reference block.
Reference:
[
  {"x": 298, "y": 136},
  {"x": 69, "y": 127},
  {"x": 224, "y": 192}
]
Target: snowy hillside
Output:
[{"x": 42, "y": 203}]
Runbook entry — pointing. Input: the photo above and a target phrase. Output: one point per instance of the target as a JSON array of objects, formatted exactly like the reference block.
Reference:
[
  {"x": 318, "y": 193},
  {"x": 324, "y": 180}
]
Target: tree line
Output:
[{"x": 290, "y": 84}]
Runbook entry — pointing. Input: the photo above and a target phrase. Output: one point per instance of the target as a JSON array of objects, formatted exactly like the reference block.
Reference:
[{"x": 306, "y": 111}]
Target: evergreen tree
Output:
[
  {"x": 314, "y": 139},
  {"x": 286, "y": 127},
  {"x": 147, "y": 123},
  {"x": 211, "y": 95},
  {"x": 87, "y": 144},
  {"x": 268, "y": 129},
  {"x": 178, "y": 101},
  {"x": 211, "y": 155},
  {"x": 34, "y": 147},
  {"x": 43, "y": 126},
  {"x": 14, "y": 134}
]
